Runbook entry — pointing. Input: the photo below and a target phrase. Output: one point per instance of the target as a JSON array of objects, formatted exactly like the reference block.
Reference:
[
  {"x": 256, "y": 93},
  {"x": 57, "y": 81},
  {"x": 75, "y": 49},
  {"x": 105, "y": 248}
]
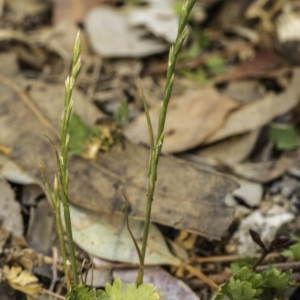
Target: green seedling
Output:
[
  {"x": 284, "y": 136},
  {"x": 121, "y": 114},
  {"x": 248, "y": 284}
]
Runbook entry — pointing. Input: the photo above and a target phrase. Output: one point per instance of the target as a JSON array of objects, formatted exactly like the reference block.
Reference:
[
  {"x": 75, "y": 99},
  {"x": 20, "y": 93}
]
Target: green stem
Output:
[
  {"x": 68, "y": 226},
  {"x": 54, "y": 199},
  {"x": 155, "y": 150},
  {"x": 62, "y": 158},
  {"x": 60, "y": 195},
  {"x": 60, "y": 232}
]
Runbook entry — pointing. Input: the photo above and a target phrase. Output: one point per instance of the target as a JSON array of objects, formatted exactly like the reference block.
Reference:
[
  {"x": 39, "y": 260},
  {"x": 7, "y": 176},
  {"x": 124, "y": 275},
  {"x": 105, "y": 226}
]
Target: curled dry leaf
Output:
[
  {"x": 22, "y": 280},
  {"x": 267, "y": 171},
  {"x": 232, "y": 150},
  {"x": 260, "y": 112}
]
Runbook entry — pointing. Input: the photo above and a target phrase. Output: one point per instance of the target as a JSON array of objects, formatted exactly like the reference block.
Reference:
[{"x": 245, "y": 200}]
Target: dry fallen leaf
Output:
[
  {"x": 232, "y": 150},
  {"x": 72, "y": 11},
  {"x": 267, "y": 171},
  {"x": 106, "y": 236},
  {"x": 260, "y": 112},
  {"x": 265, "y": 62},
  {"x": 245, "y": 91},
  {"x": 22, "y": 280},
  {"x": 192, "y": 117},
  {"x": 112, "y": 35}
]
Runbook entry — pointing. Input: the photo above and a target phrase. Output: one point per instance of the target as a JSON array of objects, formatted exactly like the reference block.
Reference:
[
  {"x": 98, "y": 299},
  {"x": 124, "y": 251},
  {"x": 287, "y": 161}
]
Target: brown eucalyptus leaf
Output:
[
  {"x": 260, "y": 112},
  {"x": 232, "y": 150},
  {"x": 192, "y": 117},
  {"x": 99, "y": 233},
  {"x": 185, "y": 198},
  {"x": 267, "y": 171}
]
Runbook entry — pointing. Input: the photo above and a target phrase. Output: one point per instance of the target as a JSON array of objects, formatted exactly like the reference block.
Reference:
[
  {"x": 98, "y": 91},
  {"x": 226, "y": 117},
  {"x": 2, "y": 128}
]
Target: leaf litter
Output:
[{"x": 234, "y": 135}]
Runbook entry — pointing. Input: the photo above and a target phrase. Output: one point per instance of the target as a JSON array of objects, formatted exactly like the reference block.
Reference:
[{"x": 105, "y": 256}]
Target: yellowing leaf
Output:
[{"x": 22, "y": 280}]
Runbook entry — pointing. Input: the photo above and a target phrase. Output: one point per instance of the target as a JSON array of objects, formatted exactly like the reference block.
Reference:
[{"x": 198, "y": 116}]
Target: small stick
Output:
[{"x": 201, "y": 276}]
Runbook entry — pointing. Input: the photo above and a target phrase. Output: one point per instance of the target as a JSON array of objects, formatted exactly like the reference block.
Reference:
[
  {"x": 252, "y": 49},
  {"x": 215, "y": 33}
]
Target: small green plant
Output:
[
  {"x": 284, "y": 136},
  {"x": 216, "y": 65},
  {"x": 80, "y": 134},
  {"x": 198, "y": 75},
  {"x": 121, "y": 114},
  {"x": 293, "y": 251},
  {"x": 248, "y": 284},
  {"x": 59, "y": 194}
]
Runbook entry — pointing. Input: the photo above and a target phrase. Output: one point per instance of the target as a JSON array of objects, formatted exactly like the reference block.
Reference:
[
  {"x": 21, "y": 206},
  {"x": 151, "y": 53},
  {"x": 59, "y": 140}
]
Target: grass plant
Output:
[
  {"x": 156, "y": 145},
  {"x": 59, "y": 196}
]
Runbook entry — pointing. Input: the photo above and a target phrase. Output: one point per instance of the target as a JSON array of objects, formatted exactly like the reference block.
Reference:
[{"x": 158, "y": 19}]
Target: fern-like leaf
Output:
[
  {"x": 80, "y": 292},
  {"x": 132, "y": 292}
]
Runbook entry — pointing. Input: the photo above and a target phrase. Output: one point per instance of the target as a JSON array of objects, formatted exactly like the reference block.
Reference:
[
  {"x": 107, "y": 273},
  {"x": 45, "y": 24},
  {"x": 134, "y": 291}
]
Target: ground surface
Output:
[{"x": 231, "y": 150}]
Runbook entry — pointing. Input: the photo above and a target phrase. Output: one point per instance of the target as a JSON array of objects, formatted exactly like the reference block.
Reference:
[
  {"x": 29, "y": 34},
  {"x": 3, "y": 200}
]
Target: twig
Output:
[
  {"x": 295, "y": 266},
  {"x": 228, "y": 258},
  {"x": 201, "y": 276},
  {"x": 53, "y": 294},
  {"x": 137, "y": 248}
]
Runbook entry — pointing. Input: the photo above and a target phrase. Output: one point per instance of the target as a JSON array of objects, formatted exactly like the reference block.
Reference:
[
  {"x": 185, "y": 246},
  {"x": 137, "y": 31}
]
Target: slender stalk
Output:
[
  {"x": 54, "y": 199},
  {"x": 62, "y": 157},
  {"x": 155, "y": 150},
  {"x": 59, "y": 196}
]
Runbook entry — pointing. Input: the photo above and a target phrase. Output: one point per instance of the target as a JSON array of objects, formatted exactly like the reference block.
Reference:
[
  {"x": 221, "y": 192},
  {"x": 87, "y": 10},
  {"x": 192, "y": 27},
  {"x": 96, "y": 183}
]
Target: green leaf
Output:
[
  {"x": 275, "y": 278},
  {"x": 198, "y": 75},
  {"x": 216, "y": 65},
  {"x": 284, "y": 136},
  {"x": 241, "y": 290},
  {"x": 236, "y": 289},
  {"x": 244, "y": 262},
  {"x": 80, "y": 292},
  {"x": 115, "y": 292},
  {"x": 248, "y": 275},
  {"x": 121, "y": 114},
  {"x": 79, "y": 134},
  {"x": 293, "y": 251},
  {"x": 244, "y": 285}
]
